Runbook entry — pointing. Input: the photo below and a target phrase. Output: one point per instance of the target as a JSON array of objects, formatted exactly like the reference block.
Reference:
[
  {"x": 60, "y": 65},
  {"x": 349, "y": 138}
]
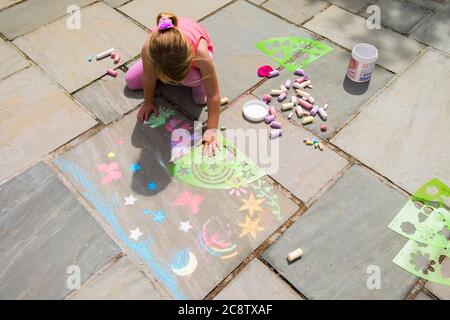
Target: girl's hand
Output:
[
  {"x": 210, "y": 144},
  {"x": 146, "y": 110}
]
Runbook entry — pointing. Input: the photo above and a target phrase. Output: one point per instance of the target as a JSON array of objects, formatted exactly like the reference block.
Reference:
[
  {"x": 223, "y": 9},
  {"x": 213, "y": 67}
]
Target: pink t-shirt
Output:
[{"x": 193, "y": 31}]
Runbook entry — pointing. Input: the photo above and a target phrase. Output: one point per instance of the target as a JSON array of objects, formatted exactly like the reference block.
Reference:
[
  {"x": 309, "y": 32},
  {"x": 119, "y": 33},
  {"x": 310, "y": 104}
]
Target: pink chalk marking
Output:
[
  {"x": 112, "y": 72},
  {"x": 213, "y": 242},
  {"x": 111, "y": 171},
  {"x": 174, "y": 124},
  {"x": 120, "y": 141},
  {"x": 190, "y": 200}
]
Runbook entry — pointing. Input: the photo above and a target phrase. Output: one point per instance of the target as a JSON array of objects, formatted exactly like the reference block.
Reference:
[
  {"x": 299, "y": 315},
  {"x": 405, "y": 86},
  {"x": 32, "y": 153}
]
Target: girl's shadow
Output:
[{"x": 151, "y": 171}]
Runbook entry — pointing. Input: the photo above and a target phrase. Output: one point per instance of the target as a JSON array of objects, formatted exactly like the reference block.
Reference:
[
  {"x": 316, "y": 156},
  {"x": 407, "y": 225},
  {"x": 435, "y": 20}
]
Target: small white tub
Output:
[{"x": 362, "y": 63}]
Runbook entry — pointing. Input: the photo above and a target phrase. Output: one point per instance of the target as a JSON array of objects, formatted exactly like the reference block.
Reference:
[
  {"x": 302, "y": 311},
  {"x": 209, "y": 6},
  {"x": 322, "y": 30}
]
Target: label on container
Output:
[{"x": 360, "y": 72}]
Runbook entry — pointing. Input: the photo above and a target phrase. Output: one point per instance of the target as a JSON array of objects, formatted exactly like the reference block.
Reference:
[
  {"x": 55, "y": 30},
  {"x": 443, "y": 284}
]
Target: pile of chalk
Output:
[
  {"x": 302, "y": 101},
  {"x": 108, "y": 53}
]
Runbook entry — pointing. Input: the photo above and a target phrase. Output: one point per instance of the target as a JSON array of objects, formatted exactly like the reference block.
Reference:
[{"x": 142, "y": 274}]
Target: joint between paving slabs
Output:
[
  {"x": 97, "y": 273},
  {"x": 108, "y": 229}
]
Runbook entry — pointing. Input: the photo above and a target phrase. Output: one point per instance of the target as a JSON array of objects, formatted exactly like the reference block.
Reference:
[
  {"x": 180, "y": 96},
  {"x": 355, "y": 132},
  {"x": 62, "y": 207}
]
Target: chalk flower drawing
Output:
[
  {"x": 252, "y": 205},
  {"x": 250, "y": 227},
  {"x": 111, "y": 171}
]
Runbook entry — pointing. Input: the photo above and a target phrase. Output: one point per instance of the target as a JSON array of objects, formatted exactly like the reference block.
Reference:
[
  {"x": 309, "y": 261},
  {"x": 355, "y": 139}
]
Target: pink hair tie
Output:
[{"x": 165, "y": 24}]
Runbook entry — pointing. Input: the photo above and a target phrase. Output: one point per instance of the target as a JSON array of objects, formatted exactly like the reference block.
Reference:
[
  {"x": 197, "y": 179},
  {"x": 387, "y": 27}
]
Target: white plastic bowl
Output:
[{"x": 255, "y": 110}]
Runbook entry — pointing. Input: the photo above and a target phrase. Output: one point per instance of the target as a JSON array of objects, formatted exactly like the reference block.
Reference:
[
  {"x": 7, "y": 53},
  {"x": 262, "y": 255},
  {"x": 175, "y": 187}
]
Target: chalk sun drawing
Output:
[
  {"x": 187, "y": 199},
  {"x": 252, "y": 205},
  {"x": 106, "y": 207},
  {"x": 250, "y": 227},
  {"x": 213, "y": 243},
  {"x": 111, "y": 171},
  {"x": 185, "y": 263}
]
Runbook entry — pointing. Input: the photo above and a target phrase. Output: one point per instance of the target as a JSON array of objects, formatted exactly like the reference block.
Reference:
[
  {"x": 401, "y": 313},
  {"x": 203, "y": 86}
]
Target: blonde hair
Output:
[{"x": 170, "y": 52}]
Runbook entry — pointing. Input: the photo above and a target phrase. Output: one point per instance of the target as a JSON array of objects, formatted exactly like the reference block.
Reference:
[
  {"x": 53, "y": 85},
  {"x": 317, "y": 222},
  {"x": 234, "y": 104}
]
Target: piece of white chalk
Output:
[
  {"x": 294, "y": 100},
  {"x": 311, "y": 99},
  {"x": 304, "y": 84},
  {"x": 224, "y": 101},
  {"x": 104, "y": 54},
  {"x": 275, "y": 133},
  {"x": 275, "y": 92},
  {"x": 325, "y": 107},
  {"x": 288, "y": 84},
  {"x": 274, "y": 73},
  {"x": 290, "y": 115},
  {"x": 323, "y": 114},
  {"x": 283, "y": 88},
  {"x": 303, "y": 93},
  {"x": 294, "y": 255},
  {"x": 287, "y": 106}
]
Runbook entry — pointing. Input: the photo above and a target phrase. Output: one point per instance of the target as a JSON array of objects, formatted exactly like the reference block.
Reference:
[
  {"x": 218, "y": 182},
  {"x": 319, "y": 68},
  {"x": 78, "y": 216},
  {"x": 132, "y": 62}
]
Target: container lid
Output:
[
  {"x": 365, "y": 52},
  {"x": 255, "y": 110}
]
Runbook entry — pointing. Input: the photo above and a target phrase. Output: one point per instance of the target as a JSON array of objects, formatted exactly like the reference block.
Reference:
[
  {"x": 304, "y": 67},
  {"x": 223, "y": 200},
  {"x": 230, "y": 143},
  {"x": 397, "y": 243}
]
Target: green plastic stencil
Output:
[
  {"x": 283, "y": 49},
  {"x": 434, "y": 193},
  {"x": 424, "y": 261},
  {"x": 228, "y": 169},
  {"x": 164, "y": 114},
  {"x": 423, "y": 223}
]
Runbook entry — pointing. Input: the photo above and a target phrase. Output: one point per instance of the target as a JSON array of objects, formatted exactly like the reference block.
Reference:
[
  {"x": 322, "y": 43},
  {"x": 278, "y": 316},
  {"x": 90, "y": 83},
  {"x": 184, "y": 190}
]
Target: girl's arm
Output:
[
  {"x": 149, "y": 85},
  {"x": 205, "y": 63}
]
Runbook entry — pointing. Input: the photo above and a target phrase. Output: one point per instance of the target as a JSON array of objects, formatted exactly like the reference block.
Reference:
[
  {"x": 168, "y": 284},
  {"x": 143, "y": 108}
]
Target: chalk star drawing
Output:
[
  {"x": 251, "y": 205},
  {"x": 185, "y": 226},
  {"x": 159, "y": 216},
  {"x": 135, "y": 234},
  {"x": 130, "y": 200},
  {"x": 432, "y": 191},
  {"x": 111, "y": 171},
  {"x": 134, "y": 167},
  {"x": 152, "y": 186},
  {"x": 186, "y": 198},
  {"x": 111, "y": 154},
  {"x": 250, "y": 227}
]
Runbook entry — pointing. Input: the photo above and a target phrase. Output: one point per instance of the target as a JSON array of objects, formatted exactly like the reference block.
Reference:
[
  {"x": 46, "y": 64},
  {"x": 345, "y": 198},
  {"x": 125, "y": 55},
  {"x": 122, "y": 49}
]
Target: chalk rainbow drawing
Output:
[
  {"x": 111, "y": 171},
  {"x": 185, "y": 263},
  {"x": 214, "y": 245},
  {"x": 106, "y": 208}
]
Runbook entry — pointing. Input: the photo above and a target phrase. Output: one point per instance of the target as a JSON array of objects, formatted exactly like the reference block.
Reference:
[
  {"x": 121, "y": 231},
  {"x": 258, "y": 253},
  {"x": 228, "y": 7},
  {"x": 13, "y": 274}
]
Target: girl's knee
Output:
[{"x": 133, "y": 81}]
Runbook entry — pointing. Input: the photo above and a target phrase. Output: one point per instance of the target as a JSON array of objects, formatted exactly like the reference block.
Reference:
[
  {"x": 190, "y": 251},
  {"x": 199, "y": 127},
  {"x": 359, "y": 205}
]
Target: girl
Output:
[{"x": 178, "y": 51}]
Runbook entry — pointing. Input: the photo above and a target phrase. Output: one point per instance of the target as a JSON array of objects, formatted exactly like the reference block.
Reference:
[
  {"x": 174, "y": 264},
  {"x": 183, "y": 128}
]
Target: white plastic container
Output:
[
  {"x": 255, "y": 110},
  {"x": 362, "y": 63}
]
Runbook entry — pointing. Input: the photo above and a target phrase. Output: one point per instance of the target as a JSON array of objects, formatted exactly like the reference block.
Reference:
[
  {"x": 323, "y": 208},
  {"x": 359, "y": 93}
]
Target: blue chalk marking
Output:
[
  {"x": 152, "y": 186},
  {"x": 159, "y": 216},
  {"x": 181, "y": 259},
  {"x": 134, "y": 167},
  {"x": 105, "y": 209}
]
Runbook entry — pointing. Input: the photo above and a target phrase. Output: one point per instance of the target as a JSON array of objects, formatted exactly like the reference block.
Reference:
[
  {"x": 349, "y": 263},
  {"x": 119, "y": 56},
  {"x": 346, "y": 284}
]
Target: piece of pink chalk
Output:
[
  {"x": 276, "y": 133},
  {"x": 266, "y": 98},
  {"x": 305, "y": 104},
  {"x": 282, "y": 96},
  {"x": 275, "y": 125},
  {"x": 314, "y": 111},
  {"x": 324, "y": 128},
  {"x": 272, "y": 111},
  {"x": 113, "y": 55},
  {"x": 112, "y": 73},
  {"x": 117, "y": 59},
  {"x": 300, "y": 80},
  {"x": 269, "y": 119}
]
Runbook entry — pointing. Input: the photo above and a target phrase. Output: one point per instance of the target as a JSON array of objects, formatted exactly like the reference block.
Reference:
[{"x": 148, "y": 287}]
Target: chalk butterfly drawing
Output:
[
  {"x": 164, "y": 114},
  {"x": 173, "y": 124},
  {"x": 186, "y": 198},
  {"x": 111, "y": 171}
]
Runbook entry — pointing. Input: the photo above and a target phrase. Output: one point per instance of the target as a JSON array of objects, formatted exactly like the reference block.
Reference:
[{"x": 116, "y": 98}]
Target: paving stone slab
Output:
[
  {"x": 343, "y": 96},
  {"x": 115, "y": 3},
  {"x": 400, "y": 15},
  {"x": 301, "y": 169},
  {"x": 31, "y": 14},
  {"x": 12, "y": 60},
  {"x": 235, "y": 30},
  {"x": 295, "y": 11},
  {"x": 396, "y": 52},
  {"x": 351, "y": 5},
  {"x": 44, "y": 230},
  {"x": 258, "y": 2},
  {"x": 146, "y": 11},
  {"x": 37, "y": 117},
  {"x": 406, "y": 133},
  {"x": 257, "y": 282},
  {"x": 121, "y": 281},
  {"x": 109, "y": 98},
  {"x": 429, "y": 4},
  {"x": 129, "y": 161},
  {"x": 440, "y": 291},
  {"x": 102, "y": 28},
  {"x": 434, "y": 31},
  {"x": 6, "y": 3},
  {"x": 344, "y": 237}
]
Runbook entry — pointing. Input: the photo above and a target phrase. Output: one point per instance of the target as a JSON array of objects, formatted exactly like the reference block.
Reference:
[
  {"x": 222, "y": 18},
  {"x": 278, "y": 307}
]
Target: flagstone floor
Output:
[{"x": 92, "y": 208}]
